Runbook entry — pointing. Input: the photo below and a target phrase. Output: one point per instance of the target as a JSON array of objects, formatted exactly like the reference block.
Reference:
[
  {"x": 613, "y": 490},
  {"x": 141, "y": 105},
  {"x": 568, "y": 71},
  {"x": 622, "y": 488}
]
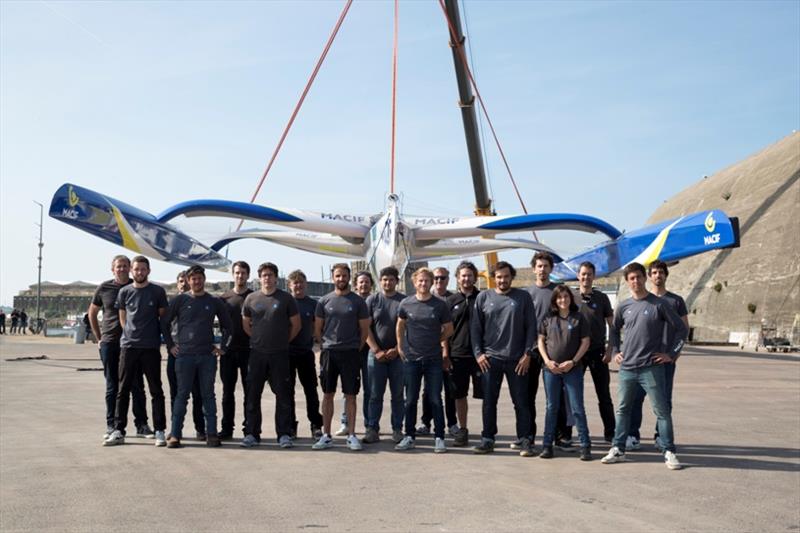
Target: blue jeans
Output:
[
  {"x": 652, "y": 379},
  {"x": 188, "y": 367},
  {"x": 365, "y": 389},
  {"x": 413, "y": 372},
  {"x": 379, "y": 373},
  {"x": 517, "y": 386},
  {"x": 636, "y": 413},
  {"x": 109, "y": 355},
  {"x": 572, "y": 384}
]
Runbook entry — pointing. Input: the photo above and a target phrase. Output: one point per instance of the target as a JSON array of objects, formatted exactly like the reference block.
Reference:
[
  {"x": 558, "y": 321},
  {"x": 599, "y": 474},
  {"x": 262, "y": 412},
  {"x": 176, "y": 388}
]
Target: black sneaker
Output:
[
  {"x": 525, "y": 448},
  {"x": 547, "y": 452},
  {"x": 461, "y": 438},
  {"x": 225, "y": 435},
  {"x": 144, "y": 432},
  {"x": 586, "y": 454},
  {"x": 213, "y": 441},
  {"x": 565, "y": 445},
  {"x": 200, "y": 436},
  {"x": 486, "y": 446}
]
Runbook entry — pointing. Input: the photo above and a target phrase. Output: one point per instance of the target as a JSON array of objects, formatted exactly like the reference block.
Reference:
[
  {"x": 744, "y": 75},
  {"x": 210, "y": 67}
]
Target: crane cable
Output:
[
  {"x": 394, "y": 92},
  {"x": 299, "y": 103}
]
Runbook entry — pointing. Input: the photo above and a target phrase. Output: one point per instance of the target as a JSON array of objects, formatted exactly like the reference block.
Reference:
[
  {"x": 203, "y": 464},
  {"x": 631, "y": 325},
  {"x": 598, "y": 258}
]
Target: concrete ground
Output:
[{"x": 737, "y": 417}]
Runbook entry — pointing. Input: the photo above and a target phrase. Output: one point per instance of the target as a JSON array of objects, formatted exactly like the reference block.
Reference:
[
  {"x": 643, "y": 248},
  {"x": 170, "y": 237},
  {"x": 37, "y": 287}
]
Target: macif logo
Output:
[
  {"x": 710, "y": 225},
  {"x": 72, "y": 200}
]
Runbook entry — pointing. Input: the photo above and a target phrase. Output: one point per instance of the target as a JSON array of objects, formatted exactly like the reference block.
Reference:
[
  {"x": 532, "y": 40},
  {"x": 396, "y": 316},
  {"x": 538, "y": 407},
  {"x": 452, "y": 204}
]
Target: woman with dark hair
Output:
[{"x": 563, "y": 339}]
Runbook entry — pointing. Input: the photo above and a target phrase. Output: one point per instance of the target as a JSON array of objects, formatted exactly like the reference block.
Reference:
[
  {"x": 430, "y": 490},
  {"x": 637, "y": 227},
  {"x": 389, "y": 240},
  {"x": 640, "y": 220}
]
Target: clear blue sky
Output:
[{"x": 602, "y": 108}]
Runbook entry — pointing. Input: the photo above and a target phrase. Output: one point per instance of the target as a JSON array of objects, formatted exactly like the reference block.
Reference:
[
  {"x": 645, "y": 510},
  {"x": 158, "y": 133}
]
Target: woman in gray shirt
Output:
[{"x": 563, "y": 339}]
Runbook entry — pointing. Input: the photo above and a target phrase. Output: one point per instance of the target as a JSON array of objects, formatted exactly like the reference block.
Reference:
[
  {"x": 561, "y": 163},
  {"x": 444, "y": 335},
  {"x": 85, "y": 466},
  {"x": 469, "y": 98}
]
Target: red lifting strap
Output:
[{"x": 300, "y": 102}]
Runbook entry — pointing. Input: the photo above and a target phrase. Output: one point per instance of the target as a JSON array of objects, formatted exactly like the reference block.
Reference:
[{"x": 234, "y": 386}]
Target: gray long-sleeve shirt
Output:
[
  {"x": 504, "y": 325},
  {"x": 195, "y": 323},
  {"x": 638, "y": 331}
]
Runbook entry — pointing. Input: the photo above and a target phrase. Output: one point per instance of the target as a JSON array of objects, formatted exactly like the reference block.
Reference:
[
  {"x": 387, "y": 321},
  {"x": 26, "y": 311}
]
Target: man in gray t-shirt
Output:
[
  {"x": 384, "y": 361},
  {"x": 141, "y": 306},
  {"x": 271, "y": 319},
  {"x": 637, "y": 341},
  {"x": 195, "y": 352},
  {"x": 108, "y": 334},
  {"x": 503, "y": 334},
  {"x": 342, "y": 326},
  {"x": 423, "y": 324},
  {"x": 541, "y": 293}
]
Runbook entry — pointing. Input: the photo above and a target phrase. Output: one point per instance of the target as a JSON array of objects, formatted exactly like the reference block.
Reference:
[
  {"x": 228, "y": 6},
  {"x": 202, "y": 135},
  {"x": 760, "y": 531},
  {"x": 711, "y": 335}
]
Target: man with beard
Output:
[
  {"x": 342, "y": 326},
  {"x": 141, "y": 306},
  {"x": 503, "y": 334},
  {"x": 108, "y": 336},
  {"x": 464, "y": 366},
  {"x": 234, "y": 361},
  {"x": 384, "y": 359}
]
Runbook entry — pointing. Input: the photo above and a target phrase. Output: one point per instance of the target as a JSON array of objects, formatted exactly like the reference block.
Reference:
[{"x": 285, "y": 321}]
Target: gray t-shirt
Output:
[
  {"x": 541, "y": 297},
  {"x": 383, "y": 311},
  {"x": 595, "y": 308},
  {"x": 679, "y": 306},
  {"x": 424, "y": 320},
  {"x": 641, "y": 324},
  {"x": 270, "y": 323},
  {"x": 105, "y": 297},
  {"x": 504, "y": 325},
  {"x": 341, "y": 314},
  {"x": 142, "y": 328},
  {"x": 194, "y": 320},
  {"x": 563, "y": 335},
  {"x": 305, "y": 339}
]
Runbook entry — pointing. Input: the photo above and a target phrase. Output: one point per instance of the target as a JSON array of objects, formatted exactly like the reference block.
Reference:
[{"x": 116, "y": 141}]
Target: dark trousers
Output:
[
  {"x": 231, "y": 365},
  {"x": 275, "y": 368},
  {"x": 197, "y": 396},
  {"x": 109, "y": 355},
  {"x": 302, "y": 366},
  {"x": 517, "y": 386},
  {"x": 189, "y": 369},
  {"x": 3, "y": 327},
  {"x": 593, "y": 361},
  {"x": 449, "y": 404},
  {"x": 134, "y": 362},
  {"x": 413, "y": 373},
  {"x": 534, "y": 372}
]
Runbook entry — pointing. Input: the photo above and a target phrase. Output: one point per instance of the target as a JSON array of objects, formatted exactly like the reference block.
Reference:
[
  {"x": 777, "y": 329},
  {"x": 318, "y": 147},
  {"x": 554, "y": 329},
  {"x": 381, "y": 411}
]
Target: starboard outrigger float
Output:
[{"x": 387, "y": 238}]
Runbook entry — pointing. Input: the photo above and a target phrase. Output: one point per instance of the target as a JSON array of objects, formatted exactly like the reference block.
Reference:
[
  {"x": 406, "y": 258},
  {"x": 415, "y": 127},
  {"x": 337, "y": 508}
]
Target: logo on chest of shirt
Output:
[{"x": 275, "y": 305}]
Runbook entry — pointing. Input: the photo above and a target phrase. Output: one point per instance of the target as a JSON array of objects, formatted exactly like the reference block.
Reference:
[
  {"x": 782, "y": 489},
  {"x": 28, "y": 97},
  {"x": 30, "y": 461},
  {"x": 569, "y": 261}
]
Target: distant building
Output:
[{"x": 60, "y": 299}]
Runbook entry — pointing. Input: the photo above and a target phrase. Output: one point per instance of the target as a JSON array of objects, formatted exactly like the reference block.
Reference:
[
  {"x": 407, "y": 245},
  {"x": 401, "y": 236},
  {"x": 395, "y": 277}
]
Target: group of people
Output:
[
  {"x": 19, "y": 322},
  {"x": 420, "y": 346}
]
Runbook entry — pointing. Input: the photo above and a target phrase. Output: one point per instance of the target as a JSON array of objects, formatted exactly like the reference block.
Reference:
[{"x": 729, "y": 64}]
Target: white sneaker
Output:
[
  {"x": 342, "y": 431},
  {"x": 324, "y": 442},
  {"x": 438, "y": 446},
  {"x": 406, "y": 444},
  {"x": 454, "y": 429},
  {"x": 353, "y": 443},
  {"x": 632, "y": 444},
  {"x": 116, "y": 437},
  {"x": 285, "y": 441},
  {"x": 161, "y": 439},
  {"x": 671, "y": 460},
  {"x": 613, "y": 456}
]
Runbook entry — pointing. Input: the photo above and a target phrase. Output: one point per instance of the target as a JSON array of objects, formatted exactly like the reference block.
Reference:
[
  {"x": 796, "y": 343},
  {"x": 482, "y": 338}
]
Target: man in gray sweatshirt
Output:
[
  {"x": 639, "y": 321},
  {"x": 195, "y": 352},
  {"x": 503, "y": 334}
]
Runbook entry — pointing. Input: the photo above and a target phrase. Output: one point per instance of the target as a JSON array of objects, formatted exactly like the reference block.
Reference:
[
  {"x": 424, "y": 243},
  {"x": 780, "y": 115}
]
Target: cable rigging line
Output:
[
  {"x": 394, "y": 91},
  {"x": 299, "y": 103}
]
